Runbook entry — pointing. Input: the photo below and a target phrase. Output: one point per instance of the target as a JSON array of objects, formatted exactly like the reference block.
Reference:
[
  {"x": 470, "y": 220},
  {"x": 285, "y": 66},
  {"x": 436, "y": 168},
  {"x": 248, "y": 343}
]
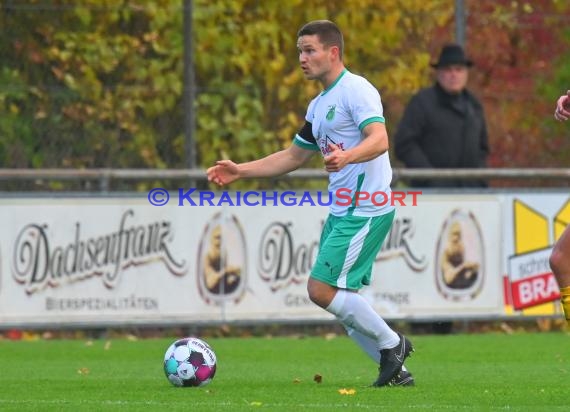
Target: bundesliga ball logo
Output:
[{"x": 190, "y": 362}]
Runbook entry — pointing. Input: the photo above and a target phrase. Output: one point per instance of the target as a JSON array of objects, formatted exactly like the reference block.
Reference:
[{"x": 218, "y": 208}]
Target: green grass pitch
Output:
[{"x": 464, "y": 372}]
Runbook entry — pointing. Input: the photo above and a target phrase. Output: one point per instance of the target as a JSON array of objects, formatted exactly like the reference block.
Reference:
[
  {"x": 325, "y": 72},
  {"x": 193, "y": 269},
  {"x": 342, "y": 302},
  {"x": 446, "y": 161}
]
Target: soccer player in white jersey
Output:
[{"x": 345, "y": 123}]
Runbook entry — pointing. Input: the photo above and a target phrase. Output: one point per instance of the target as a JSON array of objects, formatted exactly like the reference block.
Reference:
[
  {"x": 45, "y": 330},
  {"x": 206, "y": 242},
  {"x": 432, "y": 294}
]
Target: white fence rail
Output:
[{"x": 105, "y": 176}]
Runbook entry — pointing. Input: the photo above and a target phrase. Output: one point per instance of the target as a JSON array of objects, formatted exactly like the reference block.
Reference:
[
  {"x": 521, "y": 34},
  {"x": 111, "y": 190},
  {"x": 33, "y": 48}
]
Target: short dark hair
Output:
[{"x": 328, "y": 32}]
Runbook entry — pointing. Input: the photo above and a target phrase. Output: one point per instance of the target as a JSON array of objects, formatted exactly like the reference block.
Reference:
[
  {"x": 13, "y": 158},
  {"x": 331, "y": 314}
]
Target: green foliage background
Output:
[{"x": 99, "y": 83}]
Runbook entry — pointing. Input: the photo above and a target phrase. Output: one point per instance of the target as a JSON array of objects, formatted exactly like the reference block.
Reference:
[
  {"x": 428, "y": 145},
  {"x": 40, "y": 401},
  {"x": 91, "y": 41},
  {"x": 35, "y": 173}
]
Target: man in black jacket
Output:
[{"x": 444, "y": 125}]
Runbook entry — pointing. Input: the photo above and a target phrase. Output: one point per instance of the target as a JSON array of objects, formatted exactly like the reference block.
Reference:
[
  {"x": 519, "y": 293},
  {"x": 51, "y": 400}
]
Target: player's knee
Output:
[
  {"x": 557, "y": 261},
  {"x": 319, "y": 293},
  {"x": 313, "y": 291}
]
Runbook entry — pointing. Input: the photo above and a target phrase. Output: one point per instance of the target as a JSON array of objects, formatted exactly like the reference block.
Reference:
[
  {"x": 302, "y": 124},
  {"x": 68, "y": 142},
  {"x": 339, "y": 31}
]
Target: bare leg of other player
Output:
[{"x": 560, "y": 265}]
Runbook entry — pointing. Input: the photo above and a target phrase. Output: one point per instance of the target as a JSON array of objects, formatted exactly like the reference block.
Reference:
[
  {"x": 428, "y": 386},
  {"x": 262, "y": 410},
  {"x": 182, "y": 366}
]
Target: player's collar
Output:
[{"x": 333, "y": 84}]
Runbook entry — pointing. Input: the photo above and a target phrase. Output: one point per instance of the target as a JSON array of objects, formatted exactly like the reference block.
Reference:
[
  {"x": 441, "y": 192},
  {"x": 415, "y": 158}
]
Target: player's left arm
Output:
[{"x": 373, "y": 144}]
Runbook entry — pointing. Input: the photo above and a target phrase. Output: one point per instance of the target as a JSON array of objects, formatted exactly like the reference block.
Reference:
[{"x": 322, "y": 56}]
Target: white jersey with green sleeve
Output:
[{"x": 337, "y": 116}]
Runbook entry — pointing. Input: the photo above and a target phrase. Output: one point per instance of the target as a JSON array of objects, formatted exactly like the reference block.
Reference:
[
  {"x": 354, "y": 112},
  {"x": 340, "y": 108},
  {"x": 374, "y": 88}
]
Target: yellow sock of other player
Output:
[{"x": 565, "y": 300}]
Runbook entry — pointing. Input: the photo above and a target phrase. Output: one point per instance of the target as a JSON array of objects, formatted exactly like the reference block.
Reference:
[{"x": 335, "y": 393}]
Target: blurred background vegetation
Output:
[{"x": 100, "y": 83}]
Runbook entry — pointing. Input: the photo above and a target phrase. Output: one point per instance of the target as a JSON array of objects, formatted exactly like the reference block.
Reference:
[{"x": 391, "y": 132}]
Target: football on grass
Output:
[{"x": 190, "y": 362}]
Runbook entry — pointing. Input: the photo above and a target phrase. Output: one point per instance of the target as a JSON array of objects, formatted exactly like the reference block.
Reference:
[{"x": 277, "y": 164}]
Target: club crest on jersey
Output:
[{"x": 330, "y": 112}]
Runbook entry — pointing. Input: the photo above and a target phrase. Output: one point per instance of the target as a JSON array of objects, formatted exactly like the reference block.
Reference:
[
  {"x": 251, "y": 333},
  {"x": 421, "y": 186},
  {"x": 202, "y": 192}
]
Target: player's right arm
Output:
[
  {"x": 279, "y": 163},
  {"x": 276, "y": 164}
]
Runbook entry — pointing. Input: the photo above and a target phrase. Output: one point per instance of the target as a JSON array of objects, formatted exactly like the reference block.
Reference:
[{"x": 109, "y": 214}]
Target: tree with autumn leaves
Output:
[{"x": 100, "y": 84}]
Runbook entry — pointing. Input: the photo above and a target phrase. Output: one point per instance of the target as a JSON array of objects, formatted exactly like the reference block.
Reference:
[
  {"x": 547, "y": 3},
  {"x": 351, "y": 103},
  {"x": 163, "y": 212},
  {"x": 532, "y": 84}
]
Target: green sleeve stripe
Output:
[
  {"x": 305, "y": 145},
  {"x": 371, "y": 120}
]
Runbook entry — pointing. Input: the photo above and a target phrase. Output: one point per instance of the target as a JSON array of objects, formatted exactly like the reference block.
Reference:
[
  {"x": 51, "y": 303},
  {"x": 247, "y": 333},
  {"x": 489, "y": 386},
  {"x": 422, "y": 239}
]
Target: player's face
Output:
[
  {"x": 313, "y": 57},
  {"x": 453, "y": 79}
]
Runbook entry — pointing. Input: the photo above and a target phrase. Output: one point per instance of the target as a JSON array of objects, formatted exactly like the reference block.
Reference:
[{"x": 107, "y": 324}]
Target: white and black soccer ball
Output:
[{"x": 190, "y": 362}]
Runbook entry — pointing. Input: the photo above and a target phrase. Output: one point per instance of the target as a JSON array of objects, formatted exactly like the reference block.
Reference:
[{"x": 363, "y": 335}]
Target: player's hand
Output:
[
  {"x": 336, "y": 159},
  {"x": 562, "y": 112},
  {"x": 223, "y": 173}
]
